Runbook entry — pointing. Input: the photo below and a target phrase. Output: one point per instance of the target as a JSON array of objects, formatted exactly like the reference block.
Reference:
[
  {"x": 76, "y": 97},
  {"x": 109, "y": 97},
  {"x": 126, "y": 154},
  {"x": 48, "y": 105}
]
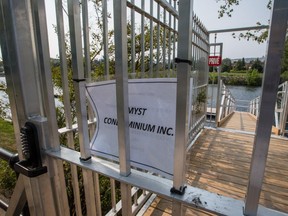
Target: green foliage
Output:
[
  {"x": 200, "y": 100},
  {"x": 240, "y": 65},
  {"x": 242, "y": 78},
  {"x": 284, "y": 76},
  {"x": 7, "y": 175},
  {"x": 257, "y": 65},
  {"x": 226, "y": 65},
  {"x": 285, "y": 57},
  {"x": 7, "y": 138},
  {"x": 213, "y": 78},
  {"x": 4, "y": 104},
  {"x": 7, "y": 179},
  {"x": 253, "y": 78},
  {"x": 227, "y": 8}
]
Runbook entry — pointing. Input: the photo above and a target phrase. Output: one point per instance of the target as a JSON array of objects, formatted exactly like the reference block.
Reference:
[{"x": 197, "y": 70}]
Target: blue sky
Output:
[{"x": 248, "y": 13}]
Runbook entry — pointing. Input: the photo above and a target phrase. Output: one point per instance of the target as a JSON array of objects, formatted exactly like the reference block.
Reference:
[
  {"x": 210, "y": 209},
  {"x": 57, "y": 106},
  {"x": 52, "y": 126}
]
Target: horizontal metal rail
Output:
[
  {"x": 210, "y": 202},
  {"x": 11, "y": 158},
  {"x": 3, "y": 205},
  {"x": 260, "y": 27},
  {"x": 6, "y": 155}
]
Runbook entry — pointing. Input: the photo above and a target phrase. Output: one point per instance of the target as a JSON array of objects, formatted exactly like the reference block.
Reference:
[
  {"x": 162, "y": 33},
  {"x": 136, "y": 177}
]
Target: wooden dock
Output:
[
  {"x": 219, "y": 162},
  {"x": 241, "y": 121}
]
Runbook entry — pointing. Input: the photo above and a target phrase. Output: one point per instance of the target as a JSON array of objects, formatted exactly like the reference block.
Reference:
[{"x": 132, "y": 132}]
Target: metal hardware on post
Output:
[
  {"x": 27, "y": 80},
  {"x": 277, "y": 35},
  {"x": 31, "y": 166}
]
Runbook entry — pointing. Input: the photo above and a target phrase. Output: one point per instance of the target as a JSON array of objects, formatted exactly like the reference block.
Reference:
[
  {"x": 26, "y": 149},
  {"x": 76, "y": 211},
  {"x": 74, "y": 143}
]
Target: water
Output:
[
  {"x": 5, "y": 101},
  {"x": 239, "y": 92},
  {"x": 242, "y": 94}
]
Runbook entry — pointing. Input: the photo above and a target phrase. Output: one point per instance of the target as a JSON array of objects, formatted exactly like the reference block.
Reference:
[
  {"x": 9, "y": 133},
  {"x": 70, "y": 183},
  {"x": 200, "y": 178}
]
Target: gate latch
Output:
[{"x": 31, "y": 165}]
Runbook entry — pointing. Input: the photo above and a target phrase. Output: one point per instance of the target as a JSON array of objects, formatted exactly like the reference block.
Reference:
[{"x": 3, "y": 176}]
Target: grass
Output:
[
  {"x": 7, "y": 138},
  {"x": 7, "y": 175}
]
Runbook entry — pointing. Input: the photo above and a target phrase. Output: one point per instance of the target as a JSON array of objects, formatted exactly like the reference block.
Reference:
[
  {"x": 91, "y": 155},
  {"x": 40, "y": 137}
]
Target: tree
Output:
[
  {"x": 253, "y": 78},
  {"x": 257, "y": 65},
  {"x": 227, "y": 8},
  {"x": 240, "y": 65},
  {"x": 226, "y": 65},
  {"x": 285, "y": 57}
]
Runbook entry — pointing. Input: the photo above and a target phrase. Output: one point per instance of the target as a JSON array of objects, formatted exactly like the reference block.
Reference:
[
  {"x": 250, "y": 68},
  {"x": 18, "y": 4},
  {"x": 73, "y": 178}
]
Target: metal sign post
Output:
[{"x": 215, "y": 60}]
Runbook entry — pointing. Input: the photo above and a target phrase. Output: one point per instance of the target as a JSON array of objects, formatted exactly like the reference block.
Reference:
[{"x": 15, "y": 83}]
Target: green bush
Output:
[
  {"x": 249, "y": 78},
  {"x": 7, "y": 179},
  {"x": 284, "y": 76},
  {"x": 253, "y": 78}
]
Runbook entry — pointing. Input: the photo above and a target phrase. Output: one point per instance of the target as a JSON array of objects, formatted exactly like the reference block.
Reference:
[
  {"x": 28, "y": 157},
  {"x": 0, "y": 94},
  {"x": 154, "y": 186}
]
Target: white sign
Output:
[{"x": 152, "y": 110}]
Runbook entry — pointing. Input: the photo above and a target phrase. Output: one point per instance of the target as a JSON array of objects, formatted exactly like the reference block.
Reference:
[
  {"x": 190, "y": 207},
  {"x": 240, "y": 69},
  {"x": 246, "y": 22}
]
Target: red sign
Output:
[{"x": 214, "y": 61}]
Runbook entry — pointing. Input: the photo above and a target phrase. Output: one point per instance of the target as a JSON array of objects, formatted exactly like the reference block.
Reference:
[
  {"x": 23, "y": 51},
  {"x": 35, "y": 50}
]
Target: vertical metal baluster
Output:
[
  {"x": 66, "y": 99},
  {"x": 78, "y": 77},
  {"x": 80, "y": 97},
  {"x": 87, "y": 60},
  {"x": 174, "y": 40},
  {"x": 113, "y": 194},
  {"x": 164, "y": 43},
  {"x": 142, "y": 39},
  {"x": 49, "y": 104},
  {"x": 120, "y": 22},
  {"x": 97, "y": 194},
  {"x": 105, "y": 38},
  {"x": 151, "y": 39},
  {"x": 183, "y": 71},
  {"x": 48, "y": 101},
  {"x": 158, "y": 40},
  {"x": 133, "y": 39},
  {"x": 169, "y": 42}
]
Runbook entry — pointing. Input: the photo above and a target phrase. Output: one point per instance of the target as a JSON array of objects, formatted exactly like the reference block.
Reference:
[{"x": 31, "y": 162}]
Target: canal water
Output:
[{"x": 242, "y": 94}]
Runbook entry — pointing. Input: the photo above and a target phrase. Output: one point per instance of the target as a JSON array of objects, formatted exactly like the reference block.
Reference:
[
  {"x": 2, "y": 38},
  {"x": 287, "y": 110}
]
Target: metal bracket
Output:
[
  {"x": 181, "y": 191},
  {"x": 178, "y": 60},
  {"x": 31, "y": 166}
]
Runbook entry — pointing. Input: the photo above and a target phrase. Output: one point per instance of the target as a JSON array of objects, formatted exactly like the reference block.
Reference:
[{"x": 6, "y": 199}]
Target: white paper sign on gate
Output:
[{"x": 152, "y": 110}]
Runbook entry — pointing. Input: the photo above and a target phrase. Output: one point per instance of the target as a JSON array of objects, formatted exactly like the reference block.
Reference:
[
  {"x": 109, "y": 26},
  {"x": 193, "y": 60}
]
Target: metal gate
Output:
[
  {"x": 150, "y": 29},
  {"x": 164, "y": 40}
]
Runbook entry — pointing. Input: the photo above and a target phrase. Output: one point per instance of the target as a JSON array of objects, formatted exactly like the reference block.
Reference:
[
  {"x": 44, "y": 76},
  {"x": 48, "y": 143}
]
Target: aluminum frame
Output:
[
  {"x": 211, "y": 202},
  {"x": 23, "y": 82},
  {"x": 277, "y": 35}
]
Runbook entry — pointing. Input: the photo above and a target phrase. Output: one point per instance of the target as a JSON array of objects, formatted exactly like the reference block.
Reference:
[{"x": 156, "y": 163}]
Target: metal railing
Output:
[
  {"x": 156, "y": 58},
  {"x": 29, "y": 82},
  {"x": 227, "y": 104},
  {"x": 254, "y": 106},
  {"x": 281, "y": 109},
  {"x": 11, "y": 160}
]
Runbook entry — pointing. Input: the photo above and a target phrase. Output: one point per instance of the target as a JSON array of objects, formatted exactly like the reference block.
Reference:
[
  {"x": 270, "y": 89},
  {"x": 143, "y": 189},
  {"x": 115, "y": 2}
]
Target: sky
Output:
[{"x": 247, "y": 14}]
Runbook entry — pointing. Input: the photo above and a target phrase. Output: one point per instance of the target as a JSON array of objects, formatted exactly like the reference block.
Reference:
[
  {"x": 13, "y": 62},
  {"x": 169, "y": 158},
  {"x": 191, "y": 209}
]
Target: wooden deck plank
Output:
[
  {"x": 240, "y": 121},
  {"x": 219, "y": 162}
]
